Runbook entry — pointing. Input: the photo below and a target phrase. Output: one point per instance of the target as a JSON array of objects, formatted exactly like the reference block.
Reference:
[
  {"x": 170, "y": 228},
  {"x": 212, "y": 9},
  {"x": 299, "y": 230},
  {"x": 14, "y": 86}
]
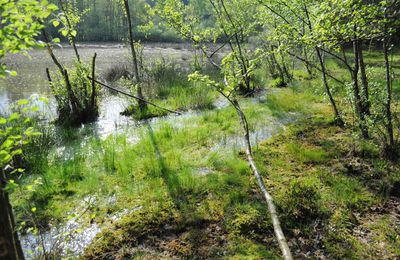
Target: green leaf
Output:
[
  {"x": 14, "y": 116},
  {"x": 4, "y": 156},
  {"x": 22, "y": 102},
  {"x": 56, "y": 23},
  {"x": 44, "y": 99}
]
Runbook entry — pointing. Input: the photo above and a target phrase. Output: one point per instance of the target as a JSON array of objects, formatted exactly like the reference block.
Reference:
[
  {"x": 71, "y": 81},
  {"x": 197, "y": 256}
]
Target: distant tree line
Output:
[{"x": 104, "y": 21}]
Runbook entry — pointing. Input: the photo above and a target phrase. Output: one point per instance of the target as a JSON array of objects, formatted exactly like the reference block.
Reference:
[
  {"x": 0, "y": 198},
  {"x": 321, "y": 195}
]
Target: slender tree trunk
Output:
[
  {"x": 286, "y": 253},
  {"x": 356, "y": 92},
  {"x": 278, "y": 66},
  {"x": 364, "y": 80},
  {"x": 285, "y": 69},
  {"x": 338, "y": 118},
  {"x": 10, "y": 247},
  {"x": 142, "y": 105},
  {"x": 307, "y": 63},
  {"x": 388, "y": 111},
  {"x": 73, "y": 101},
  {"x": 93, "y": 97},
  {"x": 71, "y": 38},
  {"x": 243, "y": 61}
]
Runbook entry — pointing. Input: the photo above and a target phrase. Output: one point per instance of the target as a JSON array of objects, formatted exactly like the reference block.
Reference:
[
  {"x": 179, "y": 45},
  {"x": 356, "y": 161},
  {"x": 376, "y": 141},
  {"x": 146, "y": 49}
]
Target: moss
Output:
[
  {"x": 141, "y": 114},
  {"x": 301, "y": 204},
  {"x": 306, "y": 155},
  {"x": 130, "y": 231}
]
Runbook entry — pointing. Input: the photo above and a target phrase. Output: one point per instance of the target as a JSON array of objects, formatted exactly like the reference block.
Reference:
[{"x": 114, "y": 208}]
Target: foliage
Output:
[
  {"x": 20, "y": 24},
  {"x": 15, "y": 133},
  {"x": 278, "y": 83},
  {"x": 68, "y": 20},
  {"x": 238, "y": 65},
  {"x": 83, "y": 91}
]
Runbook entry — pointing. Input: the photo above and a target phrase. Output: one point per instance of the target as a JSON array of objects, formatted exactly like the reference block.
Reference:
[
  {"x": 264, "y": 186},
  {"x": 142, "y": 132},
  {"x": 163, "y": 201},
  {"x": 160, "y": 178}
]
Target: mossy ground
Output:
[{"x": 334, "y": 194}]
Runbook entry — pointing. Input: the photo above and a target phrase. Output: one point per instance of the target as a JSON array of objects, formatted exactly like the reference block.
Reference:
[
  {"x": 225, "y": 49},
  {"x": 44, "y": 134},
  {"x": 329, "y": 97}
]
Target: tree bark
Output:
[
  {"x": 10, "y": 247},
  {"x": 71, "y": 37},
  {"x": 142, "y": 105},
  {"x": 364, "y": 80},
  {"x": 286, "y": 253},
  {"x": 356, "y": 92},
  {"x": 388, "y": 111},
  {"x": 338, "y": 118},
  {"x": 93, "y": 97}
]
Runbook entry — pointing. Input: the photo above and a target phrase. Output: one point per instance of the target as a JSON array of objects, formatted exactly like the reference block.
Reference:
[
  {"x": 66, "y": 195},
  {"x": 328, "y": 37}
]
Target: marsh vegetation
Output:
[{"x": 268, "y": 130}]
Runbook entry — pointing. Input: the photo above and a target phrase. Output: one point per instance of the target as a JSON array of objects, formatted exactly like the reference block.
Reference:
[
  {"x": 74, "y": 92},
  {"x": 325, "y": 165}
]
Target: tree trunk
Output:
[
  {"x": 364, "y": 80},
  {"x": 73, "y": 100},
  {"x": 93, "y": 97},
  {"x": 356, "y": 92},
  {"x": 338, "y": 118},
  {"x": 10, "y": 247},
  {"x": 278, "y": 66},
  {"x": 142, "y": 105},
  {"x": 388, "y": 111},
  {"x": 307, "y": 64},
  {"x": 285, "y": 69},
  {"x": 71, "y": 38}
]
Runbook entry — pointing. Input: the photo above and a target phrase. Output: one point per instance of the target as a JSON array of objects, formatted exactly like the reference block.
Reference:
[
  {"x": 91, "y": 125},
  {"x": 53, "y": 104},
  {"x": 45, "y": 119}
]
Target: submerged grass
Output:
[{"x": 176, "y": 163}]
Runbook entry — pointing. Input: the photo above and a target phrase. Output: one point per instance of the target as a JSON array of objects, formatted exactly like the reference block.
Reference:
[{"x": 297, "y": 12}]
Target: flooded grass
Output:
[
  {"x": 178, "y": 185},
  {"x": 168, "y": 154}
]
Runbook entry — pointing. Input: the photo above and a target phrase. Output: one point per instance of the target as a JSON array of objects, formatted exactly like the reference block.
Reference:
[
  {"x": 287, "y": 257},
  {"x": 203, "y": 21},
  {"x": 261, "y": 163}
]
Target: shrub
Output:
[
  {"x": 278, "y": 83},
  {"x": 76, "y": 96}
]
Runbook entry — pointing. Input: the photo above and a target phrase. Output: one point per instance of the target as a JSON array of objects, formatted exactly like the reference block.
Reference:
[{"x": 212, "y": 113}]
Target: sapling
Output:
[{"x": 229, "y": 91}]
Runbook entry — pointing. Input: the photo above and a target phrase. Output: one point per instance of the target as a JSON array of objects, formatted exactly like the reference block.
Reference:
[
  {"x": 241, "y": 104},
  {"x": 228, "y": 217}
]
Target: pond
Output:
[{"x": 32, "y": 80}]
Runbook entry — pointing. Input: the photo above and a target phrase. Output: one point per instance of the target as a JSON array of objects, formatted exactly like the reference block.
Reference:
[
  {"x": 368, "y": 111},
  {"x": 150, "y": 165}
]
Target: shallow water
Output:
[
  {"x": 32, "y": 81},
  {"x": 72, "y": 237}
]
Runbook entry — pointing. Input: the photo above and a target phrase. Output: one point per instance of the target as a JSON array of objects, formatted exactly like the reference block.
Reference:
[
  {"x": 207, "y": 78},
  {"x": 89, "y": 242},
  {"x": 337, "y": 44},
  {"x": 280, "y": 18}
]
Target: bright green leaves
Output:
[
  {"x": 64, "y": 33},
  {"x": 197, "y": 77},
  {"x": 56, "y": 23},
  {"x": 342, "y": 21},
  {"x": 4, "y": 157},
  {"x": 67, "y": 20},
  {"x": 187, "y": 21},
  {"x": 15, "y": 132},
  {"x": 22, "y": 102},
  {"x": 20, "y": 24}
]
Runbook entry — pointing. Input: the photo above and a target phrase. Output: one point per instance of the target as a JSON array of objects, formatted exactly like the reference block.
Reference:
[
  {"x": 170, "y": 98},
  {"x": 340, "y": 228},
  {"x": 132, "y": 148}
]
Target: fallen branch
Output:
[
  {"x": 286, "y": 253},
  {"x": 132, "y": 96}
]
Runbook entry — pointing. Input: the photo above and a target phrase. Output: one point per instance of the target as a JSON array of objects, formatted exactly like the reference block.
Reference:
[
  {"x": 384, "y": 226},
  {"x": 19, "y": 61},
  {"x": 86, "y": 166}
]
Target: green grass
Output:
[{"x": 168, "y": 86}]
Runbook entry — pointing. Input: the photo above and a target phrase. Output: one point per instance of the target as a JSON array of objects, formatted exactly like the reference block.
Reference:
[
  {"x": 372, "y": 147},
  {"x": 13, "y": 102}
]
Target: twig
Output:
[{"x": 132, "y": 96}]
